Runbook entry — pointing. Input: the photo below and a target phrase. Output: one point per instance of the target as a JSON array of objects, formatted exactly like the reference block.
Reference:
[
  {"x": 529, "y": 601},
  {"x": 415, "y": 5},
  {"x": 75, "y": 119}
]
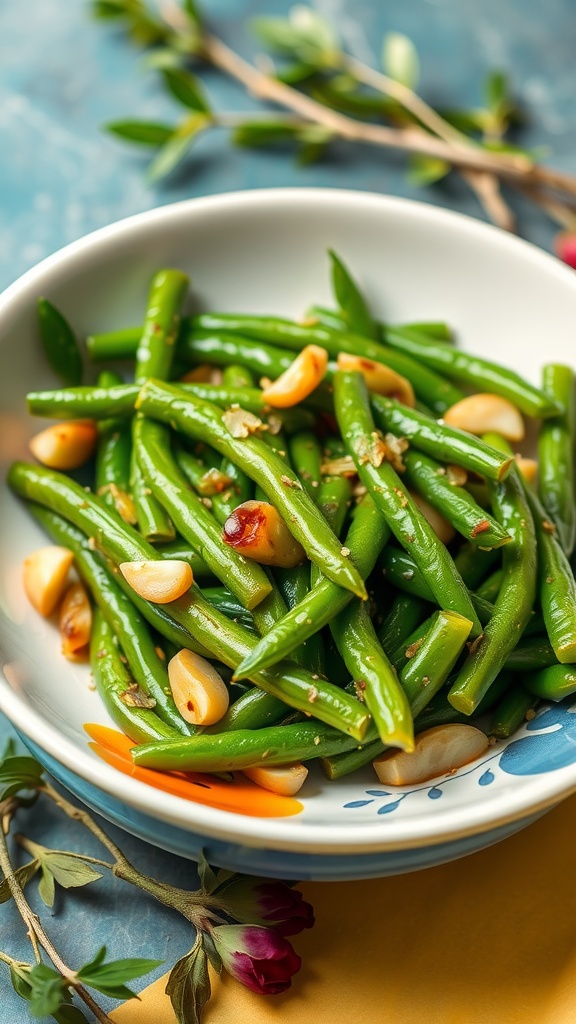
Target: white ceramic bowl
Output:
[{"x": 266, "y": 251}]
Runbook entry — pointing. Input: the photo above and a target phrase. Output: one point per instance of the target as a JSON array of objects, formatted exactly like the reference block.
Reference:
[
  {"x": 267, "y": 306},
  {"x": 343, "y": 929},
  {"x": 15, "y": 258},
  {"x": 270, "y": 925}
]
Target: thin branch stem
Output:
[
  {"x": 36, "y": 928},
  {"x": 515, "y": 168}
]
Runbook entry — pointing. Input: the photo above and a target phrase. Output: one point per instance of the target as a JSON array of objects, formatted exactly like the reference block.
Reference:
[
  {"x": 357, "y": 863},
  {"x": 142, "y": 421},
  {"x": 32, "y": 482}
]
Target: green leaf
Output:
[
  {"x": 313, "y": 144},
  {"x": 295, "y": 74},
  {"x": 47, "y": 887},
  {"x": 352, "y": 303},
  {"x": 10, "y": 748},
  {"x": 23, "y": 876},
  {"x": 400, "y": 59},
  {"x": 263, "y": 133},
  {"x": 20, "y": 978},
  {"x": 427, "y": 170},
  {"x": 59, "y": 342},
  {"x": 48, "y": 991},
  {"x": 186, "y": 89},
  {"x": 19, "y": 773},
  {"x": 69, "y": 871},
  {"x": 191, "y": 9},
  {"x": 467, "y": 121},
  {"x": 278, "y": 35},
  {"x": 69, "y": 1014},
  {"x": 109, "y": 9},
  {"x": 208, "y": 879},
  {"x": 111, "y": 978},
  {"x": 174, "y": 151},
  {"x": 313, "y": 29},
  {"x": 189, "y": 986},
  {"x": 212, "y": 953},
  {"x": 145, "y": 133},
  {"x": 496, "y": 92}
]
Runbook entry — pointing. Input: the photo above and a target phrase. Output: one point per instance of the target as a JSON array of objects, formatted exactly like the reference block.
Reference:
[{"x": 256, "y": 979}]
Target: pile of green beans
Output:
[{"x": 383, "y": 629}]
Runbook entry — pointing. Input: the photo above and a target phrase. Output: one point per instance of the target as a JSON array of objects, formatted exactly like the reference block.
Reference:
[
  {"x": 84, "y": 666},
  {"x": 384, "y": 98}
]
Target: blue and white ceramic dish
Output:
[{"x": 266, "y": 251}]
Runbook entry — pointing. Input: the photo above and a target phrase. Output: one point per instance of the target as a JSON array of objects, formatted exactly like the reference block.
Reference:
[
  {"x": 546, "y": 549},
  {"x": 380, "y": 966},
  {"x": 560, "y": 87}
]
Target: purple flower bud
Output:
[
  {"x": 257, "y": 957},
  {"x": 266, "y": 902}
]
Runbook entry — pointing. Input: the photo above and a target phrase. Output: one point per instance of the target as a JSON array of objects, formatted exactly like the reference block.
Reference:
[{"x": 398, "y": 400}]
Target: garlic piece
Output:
[
  {"x": 299, "y": 380},
  {"x": 379, "y": 378},
  {"x": 161, "y": 580},
  {"x": 484, "y": 413},
  {"x": 256, "y": 530},
  {"x": 75, "y": 620},
  {"x": 284, "y": 779},
  {"x": 65, "y": 445},
  {"x": 199, "y": 691},
  {"x": 45, "y": 575},
  {"x": 437, "y": 751}
]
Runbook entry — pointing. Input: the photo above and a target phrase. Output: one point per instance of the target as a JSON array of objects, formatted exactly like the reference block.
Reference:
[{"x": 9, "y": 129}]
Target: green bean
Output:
[
  {"x": 59, "y": 343},
  {"x": 154, "y": 522},
  {"x": 224, "y": 639},
  {"x": 553, "y": 683},
  {"x": 97, "y": 403},
  {"x": 404, "y": 616},
  {"x": 353, "y": 306},
  {"x": 532, "y": 654},
  {"x": 474, "y": 565},
  {"x": 515, "y": 600},
  {"x": 254, "y": 709},
  {"x": 373, "y": 674},
  {"x": 367, "y": 534},
  {"x": 161, "y": 325},
  {"x": 237, "y": 376},
  {"x": 481, "y": 374},
  {"x": 244, "y": 748},
  {"x": 306, "y": 457},
  {"x": 490, "y": 588},
  {"x": 556, "y": 455},
  {"x": 119, "y": 344},
  {"x": 427, "y": 671},
  {"x": 154, "y": 358},
  {"x": 556, "y": 584},
  {"x": 182, "y": 551},
  {"x": 405, "y": 520},
  {"x": 226, "y": 603},
  {"x": 331, "y": 318},
  {"x": 433, "y": 389},
  {"x": 113, "y": 683},
  {"x": 447, "y": 444},
  {"x": 246, "y": 580},
  {"x": 512, "y": 711},
  {"x": 112, "y": 472},
  {"x": 432, "y": 481},
  {"x": 203, "y": 421},
  {"x": 399, "y": 568},
  {"x": 124, "y": 620}
]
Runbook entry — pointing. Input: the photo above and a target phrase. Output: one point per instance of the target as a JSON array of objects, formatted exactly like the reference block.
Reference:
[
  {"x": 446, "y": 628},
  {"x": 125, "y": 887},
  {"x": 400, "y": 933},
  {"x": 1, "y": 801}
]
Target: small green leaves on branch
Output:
[
  {"x": 400, "y": 59},
  {"x": 189, "y": 987}
]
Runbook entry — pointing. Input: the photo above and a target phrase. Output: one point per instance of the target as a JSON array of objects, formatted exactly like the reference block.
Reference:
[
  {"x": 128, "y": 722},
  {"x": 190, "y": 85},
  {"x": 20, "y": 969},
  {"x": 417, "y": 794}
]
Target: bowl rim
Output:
[{"x": 533, "y": 793}]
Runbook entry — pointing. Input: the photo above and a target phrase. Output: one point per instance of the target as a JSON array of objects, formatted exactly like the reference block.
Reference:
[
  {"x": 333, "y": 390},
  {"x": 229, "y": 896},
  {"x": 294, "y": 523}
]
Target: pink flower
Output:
[
  {"x": 565, "y": 247},
  {"x": 257, "y": 957},
  {"x": 275, "y": 904}
]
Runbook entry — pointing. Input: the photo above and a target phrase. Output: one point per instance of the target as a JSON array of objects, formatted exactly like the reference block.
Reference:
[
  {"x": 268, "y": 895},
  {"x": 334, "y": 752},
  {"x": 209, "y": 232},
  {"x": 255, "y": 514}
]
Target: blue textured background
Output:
[{"x": 61, "y": 76}]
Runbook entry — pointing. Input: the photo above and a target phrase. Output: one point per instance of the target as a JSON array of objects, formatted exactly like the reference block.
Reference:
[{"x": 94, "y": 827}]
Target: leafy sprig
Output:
[
  {"x": 51, "y": 989},
  {"x": 325, "y": 94}
]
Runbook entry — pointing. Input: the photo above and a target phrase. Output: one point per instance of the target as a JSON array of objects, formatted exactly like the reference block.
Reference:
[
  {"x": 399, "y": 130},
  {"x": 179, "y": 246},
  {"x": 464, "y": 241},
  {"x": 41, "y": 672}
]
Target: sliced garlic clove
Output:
[
  {"x": 199, "y": 691},
  {"x": 45, "y": 576},
  {"x": 161, "y": 580},
  {"x": 284, "y": 779},
  {"x": 528, "y": 468},
  {"x": 65, "y": 445},
  {"x": 75, "y": 620},
  {"x": 379, "y": 378},
  {"x": 484, "y": 413},
  {"x": 438, "y": 751},
  {"x": 299, "y": 380},
  {"x": 256, "y": 530}
]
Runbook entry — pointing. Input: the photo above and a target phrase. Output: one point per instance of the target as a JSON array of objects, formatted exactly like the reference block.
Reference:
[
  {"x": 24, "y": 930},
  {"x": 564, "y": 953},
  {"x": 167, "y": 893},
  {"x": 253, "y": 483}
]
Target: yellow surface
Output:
[{"x": 490, "y": 939}]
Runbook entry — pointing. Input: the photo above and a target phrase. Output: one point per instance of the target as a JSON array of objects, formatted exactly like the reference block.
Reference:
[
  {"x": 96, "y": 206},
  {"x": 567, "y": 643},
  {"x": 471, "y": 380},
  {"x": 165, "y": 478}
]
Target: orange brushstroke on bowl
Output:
[{"x": 240, "y": 795}]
